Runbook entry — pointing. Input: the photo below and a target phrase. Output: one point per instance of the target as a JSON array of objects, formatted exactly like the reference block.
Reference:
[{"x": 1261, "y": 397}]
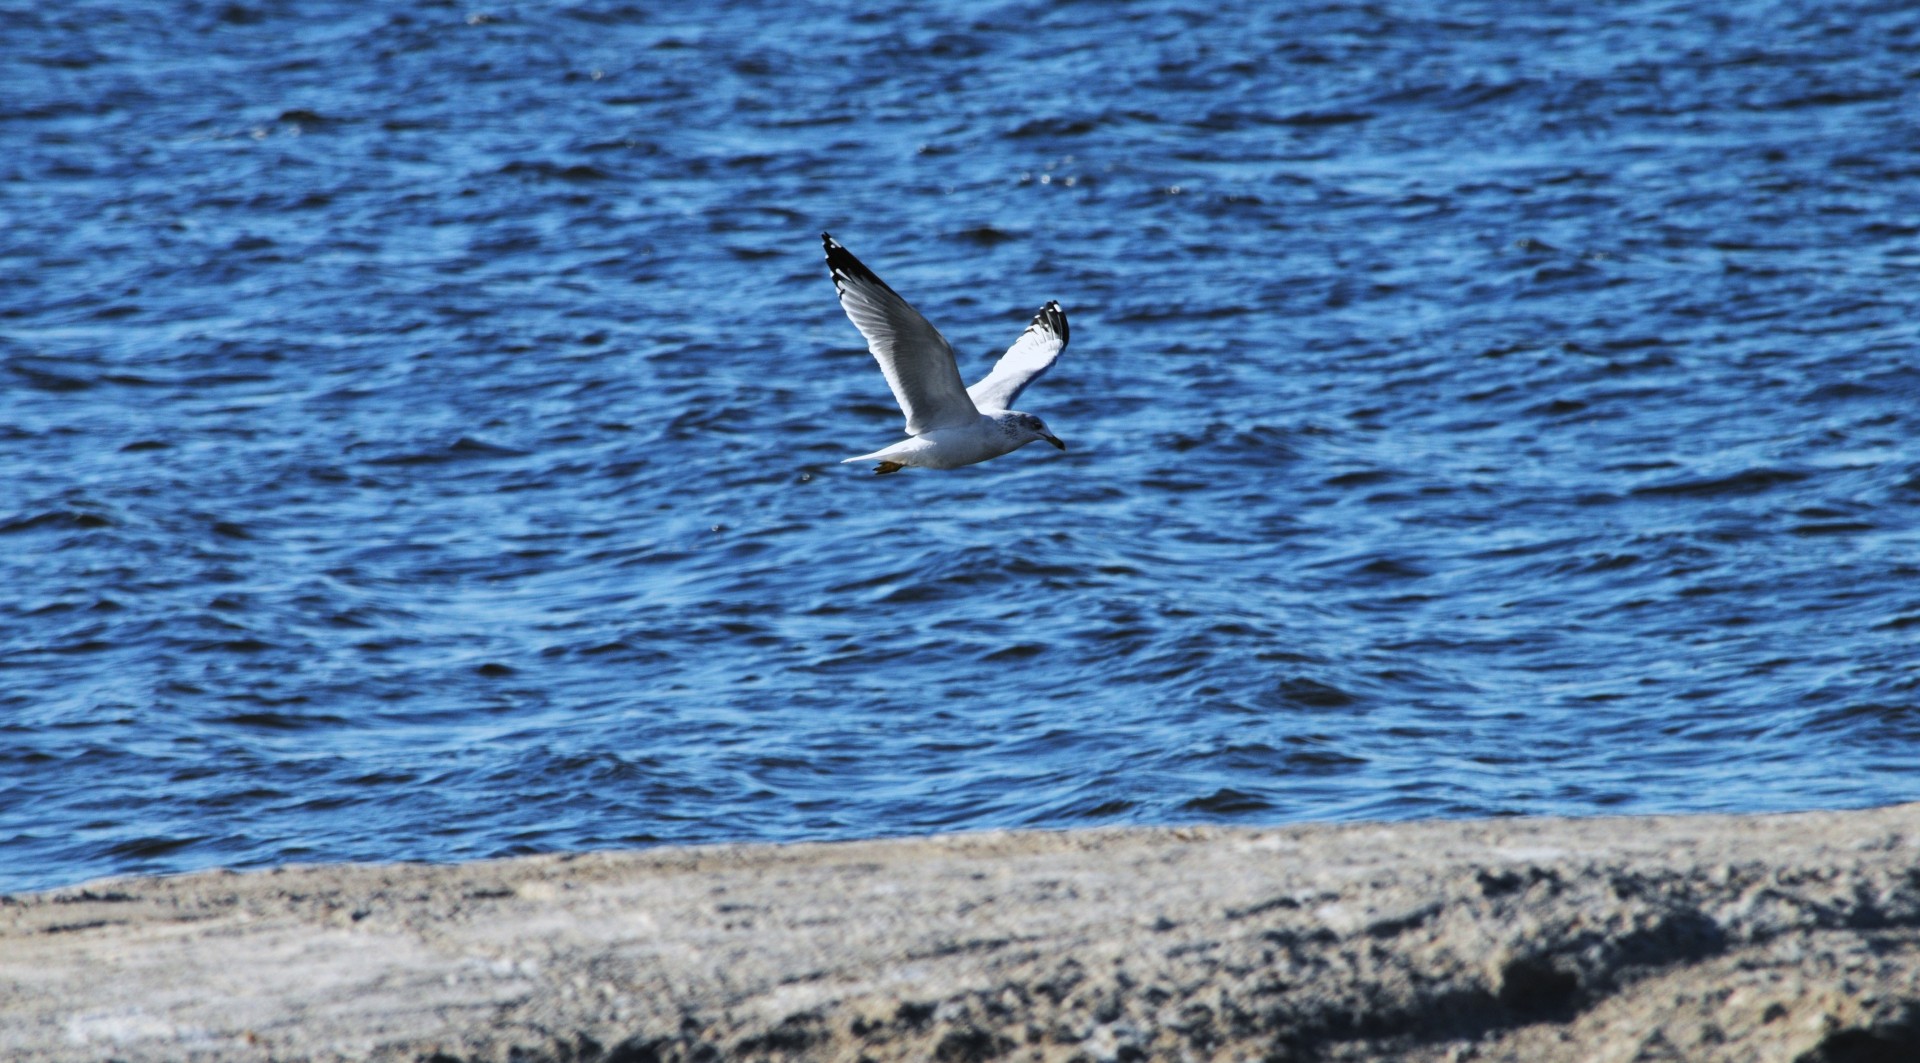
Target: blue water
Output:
[{"x": 419, "y": 424}]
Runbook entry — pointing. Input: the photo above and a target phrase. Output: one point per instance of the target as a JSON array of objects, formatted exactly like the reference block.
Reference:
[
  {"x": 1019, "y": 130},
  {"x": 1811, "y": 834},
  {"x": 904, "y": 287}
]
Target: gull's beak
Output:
[{"x": 1055, "y": 440}]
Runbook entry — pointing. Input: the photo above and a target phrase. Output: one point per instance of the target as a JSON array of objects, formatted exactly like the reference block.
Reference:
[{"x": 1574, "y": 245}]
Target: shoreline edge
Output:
[{"x": 1792, "y": 937}]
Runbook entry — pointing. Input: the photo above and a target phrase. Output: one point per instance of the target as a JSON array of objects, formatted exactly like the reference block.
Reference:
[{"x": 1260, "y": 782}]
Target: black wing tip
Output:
[
  {"x": 1053, "y": 318},
  {"x": 840, "y": 262},
  {"x": 843, "y": 266}
]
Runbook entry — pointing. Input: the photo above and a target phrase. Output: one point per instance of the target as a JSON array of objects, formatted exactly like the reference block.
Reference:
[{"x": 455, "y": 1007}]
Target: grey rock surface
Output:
[{"x": 1791, "y": 938}]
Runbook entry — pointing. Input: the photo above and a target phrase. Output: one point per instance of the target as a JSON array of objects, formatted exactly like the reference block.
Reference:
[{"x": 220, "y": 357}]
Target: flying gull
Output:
[{"x": 948, "y": 426}]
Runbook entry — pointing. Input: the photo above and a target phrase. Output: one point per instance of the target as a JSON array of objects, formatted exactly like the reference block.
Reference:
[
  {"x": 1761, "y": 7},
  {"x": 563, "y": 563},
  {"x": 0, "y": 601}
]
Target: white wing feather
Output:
[
  {"x": 916, "y": 360},
  {"x": 1031, "y": 355}
]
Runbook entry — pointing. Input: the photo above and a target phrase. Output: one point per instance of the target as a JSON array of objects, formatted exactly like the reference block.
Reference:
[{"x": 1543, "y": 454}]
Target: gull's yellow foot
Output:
[{"x": 887, "y": 467}]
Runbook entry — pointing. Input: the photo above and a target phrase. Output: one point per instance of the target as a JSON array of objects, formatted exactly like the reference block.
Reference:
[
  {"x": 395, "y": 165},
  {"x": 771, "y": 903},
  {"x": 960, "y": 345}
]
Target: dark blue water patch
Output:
[{"x": 1471, "y": 413}]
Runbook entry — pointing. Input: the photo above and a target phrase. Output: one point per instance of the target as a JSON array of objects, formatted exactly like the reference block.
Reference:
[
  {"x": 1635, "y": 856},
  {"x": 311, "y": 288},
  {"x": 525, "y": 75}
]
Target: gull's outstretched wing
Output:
[
  {"x": 916, "y": 360},
  {"x": 1023, "y": 363}
]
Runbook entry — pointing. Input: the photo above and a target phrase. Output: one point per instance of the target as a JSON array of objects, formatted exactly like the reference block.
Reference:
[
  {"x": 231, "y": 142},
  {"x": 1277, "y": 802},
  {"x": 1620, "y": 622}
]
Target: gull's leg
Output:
[{"x": 886, "y": 467}]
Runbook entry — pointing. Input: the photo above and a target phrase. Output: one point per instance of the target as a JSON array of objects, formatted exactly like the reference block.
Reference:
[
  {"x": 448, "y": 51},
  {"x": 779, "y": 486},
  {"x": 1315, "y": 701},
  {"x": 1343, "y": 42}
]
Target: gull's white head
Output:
[{"x": 1026, "y": 428}]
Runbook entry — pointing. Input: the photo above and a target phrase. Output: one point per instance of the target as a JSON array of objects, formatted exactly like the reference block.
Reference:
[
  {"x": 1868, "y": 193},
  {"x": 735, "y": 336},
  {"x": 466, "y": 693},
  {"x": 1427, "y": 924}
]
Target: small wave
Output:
[
  {"x": 572, "y": 173},
  {"x": 79, "y": 520},
  {"x": 49, "y": 380},
  {"x": 464, "y": 448},
  {"x": 1745, "y": 482},
  {"x": 154, "y": 845},
  {"x": 1053, "y": 127},
  {"x": 1313, "y": 694},
  {"x": 1324, "y": 118},
  {"x": 1228, "y": 801}
]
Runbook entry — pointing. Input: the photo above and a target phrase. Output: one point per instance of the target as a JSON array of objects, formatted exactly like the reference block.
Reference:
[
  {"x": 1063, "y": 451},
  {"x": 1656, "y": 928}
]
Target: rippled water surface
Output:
[{"x": 419, "y": 424}]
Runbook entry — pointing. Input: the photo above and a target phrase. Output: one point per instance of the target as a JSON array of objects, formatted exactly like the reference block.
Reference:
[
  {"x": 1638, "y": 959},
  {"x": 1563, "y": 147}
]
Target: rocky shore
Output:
[{"x": 1786, "y": 937}]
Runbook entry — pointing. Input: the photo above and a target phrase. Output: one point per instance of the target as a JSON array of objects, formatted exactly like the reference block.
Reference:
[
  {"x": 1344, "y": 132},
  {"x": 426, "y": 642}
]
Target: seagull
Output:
[{"x": 948, "y": 426}]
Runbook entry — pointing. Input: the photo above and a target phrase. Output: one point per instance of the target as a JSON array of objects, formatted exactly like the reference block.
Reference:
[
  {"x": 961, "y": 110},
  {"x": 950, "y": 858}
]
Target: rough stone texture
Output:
[{"x": 1791, "y": 938}]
